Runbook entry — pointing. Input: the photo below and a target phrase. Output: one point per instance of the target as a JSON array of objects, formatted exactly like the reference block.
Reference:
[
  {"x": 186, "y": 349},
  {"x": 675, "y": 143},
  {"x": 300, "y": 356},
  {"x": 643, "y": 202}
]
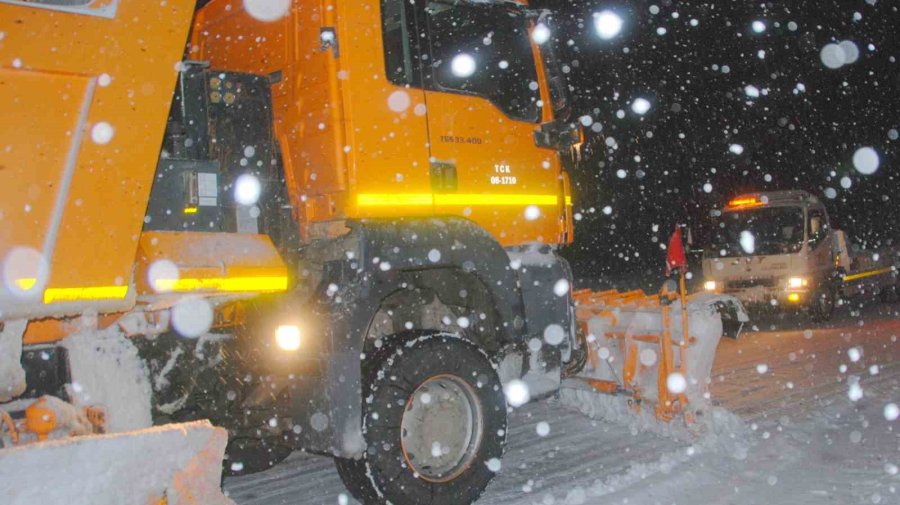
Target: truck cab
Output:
[
  {"x": 772, "y": 248},
  {"x": 779, "y": 249},
  {"x": 387, "y": 109}
]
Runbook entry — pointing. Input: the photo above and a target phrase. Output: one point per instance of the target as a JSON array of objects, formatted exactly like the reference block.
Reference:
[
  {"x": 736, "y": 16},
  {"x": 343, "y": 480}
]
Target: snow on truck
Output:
[
  {"x": 339, "y": 236},
  {"x": 779, "y": 249}
]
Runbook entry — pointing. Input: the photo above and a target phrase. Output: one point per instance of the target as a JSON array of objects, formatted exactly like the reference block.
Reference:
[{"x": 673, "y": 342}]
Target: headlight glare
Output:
[
  {"x": 287, "y": 336},
  {"x": 796, "y": 282},
  {"x": 709, "y": 285}
]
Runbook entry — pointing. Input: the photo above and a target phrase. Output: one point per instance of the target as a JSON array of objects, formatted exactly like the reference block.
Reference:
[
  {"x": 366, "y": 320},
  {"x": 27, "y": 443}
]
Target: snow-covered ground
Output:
[{"x": 805, "y": 435}]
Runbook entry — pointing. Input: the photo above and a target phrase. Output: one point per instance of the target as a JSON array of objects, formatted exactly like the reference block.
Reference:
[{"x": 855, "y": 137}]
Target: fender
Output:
[
  {"x": 385, "y": 249},
  {"x": 348, "y": 279}
]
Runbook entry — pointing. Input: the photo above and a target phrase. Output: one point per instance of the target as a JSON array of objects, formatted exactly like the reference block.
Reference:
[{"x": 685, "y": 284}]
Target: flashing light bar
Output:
[{"x": 744, "y": 202}]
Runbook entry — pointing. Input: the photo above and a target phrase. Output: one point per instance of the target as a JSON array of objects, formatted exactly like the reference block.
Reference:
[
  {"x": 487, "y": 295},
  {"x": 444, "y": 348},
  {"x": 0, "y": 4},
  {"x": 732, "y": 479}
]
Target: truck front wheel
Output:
[
  {"x": 822, "y": 305},
  {"x": 434, "y": 423}
]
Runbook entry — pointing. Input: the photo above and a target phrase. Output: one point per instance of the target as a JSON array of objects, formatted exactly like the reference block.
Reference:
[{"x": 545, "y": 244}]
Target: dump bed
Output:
[{"x": 85, "y": 92}]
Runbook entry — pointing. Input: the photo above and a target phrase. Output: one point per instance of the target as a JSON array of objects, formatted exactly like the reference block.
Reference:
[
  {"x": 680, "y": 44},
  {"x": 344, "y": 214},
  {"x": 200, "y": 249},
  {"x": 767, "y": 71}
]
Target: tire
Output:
[
  {"x": 822, "y": 305},
  {"x": 434, "y": 416}
]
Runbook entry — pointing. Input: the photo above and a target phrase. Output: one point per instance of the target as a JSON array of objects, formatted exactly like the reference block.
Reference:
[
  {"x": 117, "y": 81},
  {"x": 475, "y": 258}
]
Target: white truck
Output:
[{"x": 778, "y": 249}]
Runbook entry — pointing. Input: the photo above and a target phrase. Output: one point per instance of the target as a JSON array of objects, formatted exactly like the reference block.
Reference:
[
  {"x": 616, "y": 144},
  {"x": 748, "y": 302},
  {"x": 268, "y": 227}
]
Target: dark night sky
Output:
[{"x": 796, "y": 139}]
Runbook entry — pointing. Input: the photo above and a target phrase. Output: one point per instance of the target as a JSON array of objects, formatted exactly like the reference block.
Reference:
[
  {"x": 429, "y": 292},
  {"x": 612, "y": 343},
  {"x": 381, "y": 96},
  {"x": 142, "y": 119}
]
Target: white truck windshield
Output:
[{"x": 762, "y": 231}]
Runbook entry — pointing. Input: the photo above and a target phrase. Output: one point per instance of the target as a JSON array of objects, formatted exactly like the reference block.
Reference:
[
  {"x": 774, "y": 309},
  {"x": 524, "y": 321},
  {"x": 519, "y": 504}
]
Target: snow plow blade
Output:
[
  {"x": 635, "y": 345},
  {"x": 175, "y": 464}
]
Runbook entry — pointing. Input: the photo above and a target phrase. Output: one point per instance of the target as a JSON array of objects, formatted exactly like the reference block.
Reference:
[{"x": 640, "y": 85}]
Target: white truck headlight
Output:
[
  {"x": 797, "y": 282},
  {"x": 287, "y": 336},
  {"x": 709, "y": 285}
]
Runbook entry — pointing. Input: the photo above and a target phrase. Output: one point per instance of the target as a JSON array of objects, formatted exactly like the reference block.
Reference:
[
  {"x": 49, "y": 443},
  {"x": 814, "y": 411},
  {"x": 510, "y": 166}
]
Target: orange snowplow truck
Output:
[{"x": 340, "y": 239}]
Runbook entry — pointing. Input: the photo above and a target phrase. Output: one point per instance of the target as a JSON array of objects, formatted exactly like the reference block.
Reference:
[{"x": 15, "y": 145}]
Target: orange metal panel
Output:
[
  {"x": 86, "y": 91},
  {"x": 44, "y": 331},
  {"x": 602, "y": 386},
  {"x": 388, "y": 152},
  {"x": 504, "y": 161},
  {"x": 208, "y": 262},
  {"x": 631, "y": 361},
  {"x": 505, "y": 149}
]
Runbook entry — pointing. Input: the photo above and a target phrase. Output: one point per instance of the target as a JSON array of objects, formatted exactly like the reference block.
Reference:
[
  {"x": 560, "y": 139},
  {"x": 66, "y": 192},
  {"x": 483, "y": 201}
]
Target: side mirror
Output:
[
  {"x": 555, "y": 135},
  {"x": 543, "y": 138}
]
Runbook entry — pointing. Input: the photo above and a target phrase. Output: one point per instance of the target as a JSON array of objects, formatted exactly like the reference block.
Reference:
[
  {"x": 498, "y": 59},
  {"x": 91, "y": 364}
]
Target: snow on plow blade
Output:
[
  {"x": 172, "y": 464},
  {"x": 635, "y": 346}
]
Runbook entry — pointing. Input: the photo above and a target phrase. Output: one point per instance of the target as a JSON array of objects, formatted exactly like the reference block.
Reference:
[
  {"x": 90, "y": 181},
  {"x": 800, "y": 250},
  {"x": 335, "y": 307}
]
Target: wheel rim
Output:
[{"x": 441, "y": 428}]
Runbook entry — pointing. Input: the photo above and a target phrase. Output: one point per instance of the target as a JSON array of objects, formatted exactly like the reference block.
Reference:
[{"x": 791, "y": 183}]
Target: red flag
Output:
[{"x": 675, "y": 257}]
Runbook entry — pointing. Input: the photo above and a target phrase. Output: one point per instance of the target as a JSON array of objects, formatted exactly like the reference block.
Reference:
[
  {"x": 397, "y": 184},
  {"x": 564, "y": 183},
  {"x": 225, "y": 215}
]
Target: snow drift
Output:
[{"x": 179, "y": 462}]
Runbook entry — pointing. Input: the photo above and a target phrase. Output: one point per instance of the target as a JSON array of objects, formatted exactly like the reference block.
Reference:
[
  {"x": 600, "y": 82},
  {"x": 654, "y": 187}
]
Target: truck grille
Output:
[{"x": 767, "y": 282}]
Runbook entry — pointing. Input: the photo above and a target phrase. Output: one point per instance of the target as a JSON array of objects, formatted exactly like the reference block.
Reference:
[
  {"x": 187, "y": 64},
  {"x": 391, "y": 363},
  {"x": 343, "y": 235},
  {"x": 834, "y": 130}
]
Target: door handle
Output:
[{"x": 443, "y": 176}]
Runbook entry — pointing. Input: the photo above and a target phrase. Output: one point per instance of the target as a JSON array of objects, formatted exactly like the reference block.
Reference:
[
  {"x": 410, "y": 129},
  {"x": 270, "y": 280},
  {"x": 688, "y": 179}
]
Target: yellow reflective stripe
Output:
[
  {"x": 52, "y": 295},
  {"x": 493, "y": 199},
  {"x": 460, "y": 199},
  {"x": 870, "y": 273},
  {"x": 190, "y": 210},
  {"x": 26, "y": 283},
  {"x": 394, "y": 199},
  {"x": 229, "y": 284}
]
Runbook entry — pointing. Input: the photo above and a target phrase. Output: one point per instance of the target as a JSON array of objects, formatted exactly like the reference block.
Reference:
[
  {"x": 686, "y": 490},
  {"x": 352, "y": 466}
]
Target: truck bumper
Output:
[{"x": 777, "y": 299}]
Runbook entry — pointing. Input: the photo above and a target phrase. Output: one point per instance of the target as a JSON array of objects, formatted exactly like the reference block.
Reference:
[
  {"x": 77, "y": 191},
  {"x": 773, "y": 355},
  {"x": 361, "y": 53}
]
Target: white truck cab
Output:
[{"x": 779, "y": 249}]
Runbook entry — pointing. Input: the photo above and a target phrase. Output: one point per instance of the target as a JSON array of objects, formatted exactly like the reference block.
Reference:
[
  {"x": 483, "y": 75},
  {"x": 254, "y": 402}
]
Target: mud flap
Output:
[{"x": 178, "y": 463}]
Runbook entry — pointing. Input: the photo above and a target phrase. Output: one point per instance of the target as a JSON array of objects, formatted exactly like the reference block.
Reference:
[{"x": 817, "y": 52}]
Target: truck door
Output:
[
  {"x": 384, "y": 111},
  {"x": 820, "y": 254},
  {"x": 483, "y": 103}
]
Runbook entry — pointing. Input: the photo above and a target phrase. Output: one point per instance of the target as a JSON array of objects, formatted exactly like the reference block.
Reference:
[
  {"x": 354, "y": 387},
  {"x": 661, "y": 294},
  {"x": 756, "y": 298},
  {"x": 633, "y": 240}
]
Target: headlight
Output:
[
  {"x": 287, "y": 337},
  {"x": 797, "y": 282},
  {"x": 709, "y": 285}
]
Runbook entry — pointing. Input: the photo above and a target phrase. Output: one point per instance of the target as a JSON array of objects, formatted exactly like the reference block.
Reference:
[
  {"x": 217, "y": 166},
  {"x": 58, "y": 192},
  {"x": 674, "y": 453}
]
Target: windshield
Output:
[
  {"x": 764, "y": 231},
  {"x": 485, "y": 50}
]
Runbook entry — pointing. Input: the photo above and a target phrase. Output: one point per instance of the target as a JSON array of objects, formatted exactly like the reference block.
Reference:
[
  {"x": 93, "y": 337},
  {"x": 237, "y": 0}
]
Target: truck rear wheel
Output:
[{"x": 434, "y": 424}]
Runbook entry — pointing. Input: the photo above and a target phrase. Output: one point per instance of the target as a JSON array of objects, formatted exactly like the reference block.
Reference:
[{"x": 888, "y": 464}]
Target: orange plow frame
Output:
[{"x": 589, "y": 304}]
